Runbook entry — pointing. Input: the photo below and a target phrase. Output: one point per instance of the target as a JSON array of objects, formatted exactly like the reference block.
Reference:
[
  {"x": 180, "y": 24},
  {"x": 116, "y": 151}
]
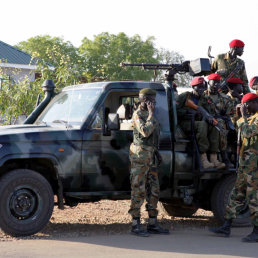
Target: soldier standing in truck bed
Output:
[
  {"x": 145, "y": 158},
  {"x": 235, "y": 86},
  {"x": 225, "y": 63},
  {"x": 246, "y": 186},
  {"x": 207, "y": 135}
]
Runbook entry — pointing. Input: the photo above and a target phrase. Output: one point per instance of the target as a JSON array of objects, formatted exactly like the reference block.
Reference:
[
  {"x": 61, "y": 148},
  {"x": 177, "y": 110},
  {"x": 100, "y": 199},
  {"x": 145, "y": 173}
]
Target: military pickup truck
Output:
[{"x": 75, "y": 146}]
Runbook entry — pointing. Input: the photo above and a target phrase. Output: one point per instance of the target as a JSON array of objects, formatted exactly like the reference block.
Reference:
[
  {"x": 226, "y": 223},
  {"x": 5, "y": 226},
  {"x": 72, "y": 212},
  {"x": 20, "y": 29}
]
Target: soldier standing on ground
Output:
[
  {"x": 254, "y": 84},
  {"x": 220, "y": 106},
  {"x": 207, "y": 135},
  {"x": 246, "y": 186},
  {"x": 144, "y": 157},
  {"x": 225, "y": 63}
]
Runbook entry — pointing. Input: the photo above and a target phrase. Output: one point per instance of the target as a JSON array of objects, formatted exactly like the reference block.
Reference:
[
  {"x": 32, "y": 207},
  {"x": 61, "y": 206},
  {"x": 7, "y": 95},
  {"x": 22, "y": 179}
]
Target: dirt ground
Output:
[{"x": 107, "y": 217}]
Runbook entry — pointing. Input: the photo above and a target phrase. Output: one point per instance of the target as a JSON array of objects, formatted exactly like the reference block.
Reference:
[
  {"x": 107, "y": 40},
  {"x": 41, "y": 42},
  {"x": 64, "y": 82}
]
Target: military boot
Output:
[
  {"x": 214, "y": 160},
  {"x": 154, "y": 228},
  {"x": 223, "y": 230},
  {"x": 205, "y": 163},
  {"x": 137, "y": 228},
  {"x": 253, "y": 237},
  {"x": 224, "y": 156}
]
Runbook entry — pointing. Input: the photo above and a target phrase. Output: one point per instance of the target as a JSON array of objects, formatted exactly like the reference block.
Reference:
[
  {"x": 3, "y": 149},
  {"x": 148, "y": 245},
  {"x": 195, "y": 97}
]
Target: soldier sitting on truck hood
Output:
[{"x": 207, "y": 136}]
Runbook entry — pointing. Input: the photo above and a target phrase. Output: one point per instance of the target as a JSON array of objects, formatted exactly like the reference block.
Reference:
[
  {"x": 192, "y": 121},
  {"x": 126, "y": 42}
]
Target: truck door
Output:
[{"x": 105, "y": 158}]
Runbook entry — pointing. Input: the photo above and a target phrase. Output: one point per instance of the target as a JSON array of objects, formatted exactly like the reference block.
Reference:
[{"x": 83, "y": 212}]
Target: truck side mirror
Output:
[{"x": 113, "y": 122}]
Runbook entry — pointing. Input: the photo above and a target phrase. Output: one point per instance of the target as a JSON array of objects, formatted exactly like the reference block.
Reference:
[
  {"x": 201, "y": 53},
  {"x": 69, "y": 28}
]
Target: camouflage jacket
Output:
[
  {"x": 218, "y": 104},
  {"x": 224, "y": 62},
  {"x": 145, "y": 132},
  {"x": 249, "y": 133},
  {"x": 234, "y": 116},
  {"x": 181, "y": 108}
]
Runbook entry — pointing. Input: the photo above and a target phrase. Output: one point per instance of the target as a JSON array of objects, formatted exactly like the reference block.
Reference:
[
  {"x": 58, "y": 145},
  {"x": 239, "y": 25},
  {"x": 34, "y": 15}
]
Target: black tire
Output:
[
  {"x": 219, "y": 200},
  {"x": 177, "y": 211},
  {"x": 26, "y": 202}
]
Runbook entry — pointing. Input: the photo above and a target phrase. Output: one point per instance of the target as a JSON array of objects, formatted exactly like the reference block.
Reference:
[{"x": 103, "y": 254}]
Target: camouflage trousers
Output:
[
  {"x": 223, "y": 141},
  {"x": 144, "y": 181},
  {"x": 207, "y": 136},
  {"x": 245, "y": 189}
]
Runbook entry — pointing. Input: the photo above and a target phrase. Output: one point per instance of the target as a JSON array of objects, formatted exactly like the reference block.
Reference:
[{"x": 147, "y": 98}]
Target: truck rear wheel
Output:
[
  {"x": 26, "y": 202},
  {"x": 177, "y": 211},
  {"x": 219, "y": 199}
]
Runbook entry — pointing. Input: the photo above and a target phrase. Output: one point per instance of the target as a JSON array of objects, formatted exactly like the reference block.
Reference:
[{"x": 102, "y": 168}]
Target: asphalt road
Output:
[{"x": 196, "y": 242}]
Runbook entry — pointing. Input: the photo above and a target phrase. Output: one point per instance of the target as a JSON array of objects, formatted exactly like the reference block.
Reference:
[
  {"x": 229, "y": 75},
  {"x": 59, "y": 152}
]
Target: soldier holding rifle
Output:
[
  {"x": 220, "y": 106},
  {"x": 224, "y": 64},
  {"x": 145, "y": 158},
  {"x": 207, "y": 135},
  {"x": 246, "y": 186}
]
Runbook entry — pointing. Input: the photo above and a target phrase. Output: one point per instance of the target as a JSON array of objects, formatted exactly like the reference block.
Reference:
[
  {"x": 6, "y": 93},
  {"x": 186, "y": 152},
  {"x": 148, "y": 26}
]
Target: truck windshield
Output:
[{"x": 69, "y": 107}]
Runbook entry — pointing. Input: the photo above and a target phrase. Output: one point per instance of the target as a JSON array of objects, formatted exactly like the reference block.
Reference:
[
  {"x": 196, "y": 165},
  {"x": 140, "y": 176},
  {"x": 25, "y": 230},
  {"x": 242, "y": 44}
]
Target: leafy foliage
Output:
[
  {"x": 94, "y": 60},
  {"x": 104, "y": 54}
]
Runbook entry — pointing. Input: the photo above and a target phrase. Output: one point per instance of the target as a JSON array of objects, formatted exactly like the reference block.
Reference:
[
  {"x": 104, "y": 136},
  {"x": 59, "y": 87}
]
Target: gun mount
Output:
[{"x": 200, "y": 66}]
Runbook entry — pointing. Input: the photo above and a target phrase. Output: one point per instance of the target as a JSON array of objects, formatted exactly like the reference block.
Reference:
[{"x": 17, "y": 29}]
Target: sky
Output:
[{"x": 186, "y": 26}]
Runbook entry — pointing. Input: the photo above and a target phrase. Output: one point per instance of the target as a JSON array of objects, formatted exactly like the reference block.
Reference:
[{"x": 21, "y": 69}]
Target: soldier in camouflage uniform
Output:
[
  {"x": 254, "y": 84},
  {"x": 144, "y": 175},
  {"x": 220, "y": 106},
  {"x": 246, "y": 186},
  {"x": 225, "y": 63},
  {"x": 207, "y": 135},
  {"x": 235, "y": 86}
]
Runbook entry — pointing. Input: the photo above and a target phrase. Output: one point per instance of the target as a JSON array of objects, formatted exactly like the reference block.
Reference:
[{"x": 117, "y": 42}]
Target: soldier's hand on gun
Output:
[{"x": 213, "y": 121}]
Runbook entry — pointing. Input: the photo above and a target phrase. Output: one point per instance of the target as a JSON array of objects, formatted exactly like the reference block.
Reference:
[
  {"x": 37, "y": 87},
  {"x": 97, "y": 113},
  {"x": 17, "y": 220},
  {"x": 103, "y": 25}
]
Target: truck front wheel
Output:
[
  {"x": 26, "y": 202},
  {"x": 219, "y": 200}
]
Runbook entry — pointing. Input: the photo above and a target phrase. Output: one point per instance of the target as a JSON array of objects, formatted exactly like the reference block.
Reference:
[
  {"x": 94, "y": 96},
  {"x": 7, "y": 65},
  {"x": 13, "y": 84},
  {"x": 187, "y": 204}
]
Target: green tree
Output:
[
  {"x": 104, "y": 54},
  {"x": 45, "y": 47},
  {"x": 55, "y": 57}
]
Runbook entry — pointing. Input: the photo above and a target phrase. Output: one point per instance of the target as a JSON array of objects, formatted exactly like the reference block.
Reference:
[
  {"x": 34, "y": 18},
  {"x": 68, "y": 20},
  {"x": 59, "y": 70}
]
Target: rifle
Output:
[
  {"x": 238, "y": 148},
  {"x": 206, "y": 115},
  {"x": 237, "y": 68},
  {"x": 228, "y": 121}
]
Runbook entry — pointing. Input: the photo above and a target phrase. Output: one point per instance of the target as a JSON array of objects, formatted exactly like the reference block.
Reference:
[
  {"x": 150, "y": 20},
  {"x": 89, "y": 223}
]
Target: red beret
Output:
[
  {"x": 236, "y": 43},
  {"x": 197, "y": 80},
  {"x": 235, "y": 80},
  {"x": 253, "y": 81},
  {"x": 249, "y": 96},
  {"x": 214, "y": 76}
]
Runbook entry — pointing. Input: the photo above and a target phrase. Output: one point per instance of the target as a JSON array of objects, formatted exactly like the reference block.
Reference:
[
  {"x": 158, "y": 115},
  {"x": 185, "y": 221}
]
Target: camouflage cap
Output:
[{"x": 147, "y": 91}]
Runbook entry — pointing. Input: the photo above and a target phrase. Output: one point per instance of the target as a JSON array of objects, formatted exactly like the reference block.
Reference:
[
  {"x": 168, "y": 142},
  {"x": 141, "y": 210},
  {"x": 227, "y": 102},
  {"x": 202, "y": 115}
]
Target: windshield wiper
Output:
[{"x": 62, "y": 122}]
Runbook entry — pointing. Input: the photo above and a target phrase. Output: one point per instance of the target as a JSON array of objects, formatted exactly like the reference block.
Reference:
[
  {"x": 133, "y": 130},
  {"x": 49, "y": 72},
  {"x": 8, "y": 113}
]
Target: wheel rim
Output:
[{"x": 23, "y": 203}]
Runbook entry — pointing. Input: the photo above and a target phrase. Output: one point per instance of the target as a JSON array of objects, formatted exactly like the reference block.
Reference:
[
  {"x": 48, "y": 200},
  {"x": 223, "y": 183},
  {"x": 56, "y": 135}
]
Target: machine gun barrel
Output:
[{"x": 152, "y": 66}]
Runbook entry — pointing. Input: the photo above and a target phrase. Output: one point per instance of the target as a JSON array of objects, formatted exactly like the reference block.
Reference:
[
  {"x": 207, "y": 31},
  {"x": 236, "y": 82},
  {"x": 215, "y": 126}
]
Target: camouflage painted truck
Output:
[{"x": 75, "y": 146}]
